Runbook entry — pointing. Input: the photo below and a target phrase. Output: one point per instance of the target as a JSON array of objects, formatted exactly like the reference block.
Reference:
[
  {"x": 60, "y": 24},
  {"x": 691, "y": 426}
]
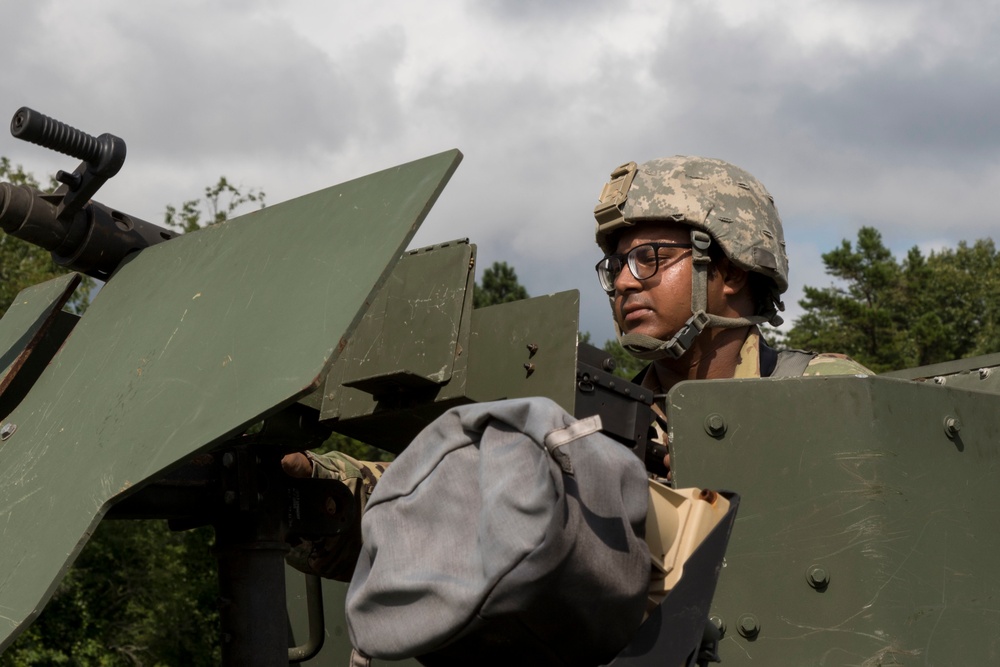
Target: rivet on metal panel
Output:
[
  {"x": 985, "y": 373},
  {"x": 818, "y": 577},
  {"x": 7, "y": 430},
  {"x": 719, "y": 623},
  {"x": 952, "y": 425},
  {"x": 939, "y": 380},
  {"x": 609, "y": 364},
  {"x": 532, "y": 348},
  {"x": 529, "y": 368},
  {"x": 715, "y": 425},
  {"x": 748, "y": 626}
]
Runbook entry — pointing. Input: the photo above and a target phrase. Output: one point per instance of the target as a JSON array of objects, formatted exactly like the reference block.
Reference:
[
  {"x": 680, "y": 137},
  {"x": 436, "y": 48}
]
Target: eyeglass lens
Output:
[{"x": 643, "y": 261}]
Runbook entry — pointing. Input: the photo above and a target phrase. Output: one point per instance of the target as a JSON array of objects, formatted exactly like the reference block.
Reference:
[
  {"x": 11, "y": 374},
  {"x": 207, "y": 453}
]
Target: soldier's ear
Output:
[{"x": 734, "y": 278}]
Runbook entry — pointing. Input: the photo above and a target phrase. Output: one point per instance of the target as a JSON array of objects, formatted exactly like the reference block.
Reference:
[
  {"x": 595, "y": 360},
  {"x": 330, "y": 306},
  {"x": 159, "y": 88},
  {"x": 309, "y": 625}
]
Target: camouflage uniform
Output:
[
  {"x": 748, "y": 366},
  {"x": 334, "y": 557}
]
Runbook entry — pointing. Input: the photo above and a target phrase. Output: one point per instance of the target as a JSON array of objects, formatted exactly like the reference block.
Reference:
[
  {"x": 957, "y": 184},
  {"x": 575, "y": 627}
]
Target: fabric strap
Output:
[{"x": 359, "y": 659}]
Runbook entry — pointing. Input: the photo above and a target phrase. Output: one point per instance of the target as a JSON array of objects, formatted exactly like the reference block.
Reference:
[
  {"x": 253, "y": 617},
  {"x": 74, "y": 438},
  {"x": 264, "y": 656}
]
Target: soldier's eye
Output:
[{"x": 645, "y": 256}]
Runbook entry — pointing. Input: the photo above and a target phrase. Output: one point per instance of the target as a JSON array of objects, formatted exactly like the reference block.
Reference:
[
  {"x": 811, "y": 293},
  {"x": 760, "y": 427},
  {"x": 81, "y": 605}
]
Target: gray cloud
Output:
[
  {"x": 544, "y": 99},
  {"x": 551, "y": 10}
]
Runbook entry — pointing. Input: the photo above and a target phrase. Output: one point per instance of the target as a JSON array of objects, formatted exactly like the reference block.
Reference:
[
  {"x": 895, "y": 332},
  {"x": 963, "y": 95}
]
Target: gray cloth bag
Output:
[{"x": 506, "y": 533}]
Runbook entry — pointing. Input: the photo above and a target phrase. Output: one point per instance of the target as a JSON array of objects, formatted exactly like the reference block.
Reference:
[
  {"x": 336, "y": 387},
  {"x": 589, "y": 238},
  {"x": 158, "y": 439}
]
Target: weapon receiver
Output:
[{"x": 82, "y": 235}]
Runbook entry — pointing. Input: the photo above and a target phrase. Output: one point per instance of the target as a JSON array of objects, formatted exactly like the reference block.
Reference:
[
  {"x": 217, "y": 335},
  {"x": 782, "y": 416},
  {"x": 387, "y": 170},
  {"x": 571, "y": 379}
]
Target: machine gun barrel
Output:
[{"x": 82, "y": 234}]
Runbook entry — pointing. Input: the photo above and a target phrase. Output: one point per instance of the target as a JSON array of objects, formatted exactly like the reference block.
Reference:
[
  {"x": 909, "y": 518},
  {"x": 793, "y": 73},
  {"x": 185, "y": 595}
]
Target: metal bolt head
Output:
[
  {"x": 7, "y": 430},
  {"x": 532, "y": 348},
  {"x": 529, "y": 368},
  {"x": 952, "y": 425},
  {"x": 719, "y": 623},
  {"x": 715, "y": 425},
  {"x": 330, "y": 506},
  {"x": 748, "y": 626},
  {"x": 985, "y": 373},
  {"x": 939, "y": 380},
  {"x": 818, "y": 577}
]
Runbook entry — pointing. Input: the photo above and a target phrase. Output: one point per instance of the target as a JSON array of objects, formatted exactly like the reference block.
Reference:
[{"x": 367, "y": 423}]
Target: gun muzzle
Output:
[{"x": 94, "y": 241}]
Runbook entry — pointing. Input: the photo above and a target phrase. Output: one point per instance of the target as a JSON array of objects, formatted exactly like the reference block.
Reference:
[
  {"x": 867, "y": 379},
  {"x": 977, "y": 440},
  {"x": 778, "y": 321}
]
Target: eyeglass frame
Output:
[{"x": 629, "y": 259}]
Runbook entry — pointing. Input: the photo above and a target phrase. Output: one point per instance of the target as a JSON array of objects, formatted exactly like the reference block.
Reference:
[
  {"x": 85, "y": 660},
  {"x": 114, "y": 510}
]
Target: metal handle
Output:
[
  {"x": 317, "y": 624},
  {"x": 37, "y": 128}
]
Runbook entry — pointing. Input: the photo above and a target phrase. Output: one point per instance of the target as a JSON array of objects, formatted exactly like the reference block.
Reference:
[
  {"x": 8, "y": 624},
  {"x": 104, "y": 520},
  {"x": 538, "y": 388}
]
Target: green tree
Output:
[
  {"x": 139, "y": 594},
  {"x": 626, "y": 366},
  {"x": 218, "y": 204},
  {"x": 889, "y": 314},
  {"x": 499, "y": 285},
  {"x": 359, "y": 450}
]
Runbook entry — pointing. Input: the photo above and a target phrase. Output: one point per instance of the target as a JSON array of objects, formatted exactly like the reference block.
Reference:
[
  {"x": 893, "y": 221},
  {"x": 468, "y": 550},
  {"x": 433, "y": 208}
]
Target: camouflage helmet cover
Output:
[{"x": 714, "y": 196}]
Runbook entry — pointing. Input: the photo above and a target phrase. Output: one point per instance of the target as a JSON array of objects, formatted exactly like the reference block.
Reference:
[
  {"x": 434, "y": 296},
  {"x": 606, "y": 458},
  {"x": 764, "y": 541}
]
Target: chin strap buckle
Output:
[{"x": 682, "y": 340}]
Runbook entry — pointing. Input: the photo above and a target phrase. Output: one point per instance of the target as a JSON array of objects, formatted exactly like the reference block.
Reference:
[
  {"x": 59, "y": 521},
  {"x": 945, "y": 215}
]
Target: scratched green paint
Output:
[
  {"x": 409, "y": 336},
  {"x": 499, "y": 359},
  {"x": 189, "y": 343},
  {"x": 859, "y": 477}
]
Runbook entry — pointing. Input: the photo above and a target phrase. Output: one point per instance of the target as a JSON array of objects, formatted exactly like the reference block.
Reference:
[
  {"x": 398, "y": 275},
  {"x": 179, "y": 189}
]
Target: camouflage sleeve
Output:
[
  {"x": 334, "y": 557},
  {"x": 834, "y": 364}
]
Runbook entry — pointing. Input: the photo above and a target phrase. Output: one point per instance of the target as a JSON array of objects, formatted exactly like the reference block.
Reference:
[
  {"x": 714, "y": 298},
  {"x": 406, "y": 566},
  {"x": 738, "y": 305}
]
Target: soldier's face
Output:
[{"x": 659, "y": 305}]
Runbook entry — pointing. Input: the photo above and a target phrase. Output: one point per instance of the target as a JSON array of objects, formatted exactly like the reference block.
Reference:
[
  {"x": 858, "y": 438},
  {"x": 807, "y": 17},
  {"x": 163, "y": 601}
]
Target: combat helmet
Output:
[{"x": 722, "y": 204}]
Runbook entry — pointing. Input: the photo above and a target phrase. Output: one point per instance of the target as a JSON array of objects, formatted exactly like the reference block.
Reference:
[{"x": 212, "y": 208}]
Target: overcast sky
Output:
[{"x": 877, "y": 112}]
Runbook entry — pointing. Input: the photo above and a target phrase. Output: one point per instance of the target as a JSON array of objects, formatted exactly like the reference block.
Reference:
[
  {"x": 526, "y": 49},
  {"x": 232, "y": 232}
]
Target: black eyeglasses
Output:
[{"x": 643, "y": 261}]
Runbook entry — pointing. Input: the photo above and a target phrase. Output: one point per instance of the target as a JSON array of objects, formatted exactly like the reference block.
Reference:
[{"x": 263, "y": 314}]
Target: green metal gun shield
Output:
[
  {"x": 867, "y": 533},
  {"x": 22, "y": 331},
  {"x": 189, "y": 343}
]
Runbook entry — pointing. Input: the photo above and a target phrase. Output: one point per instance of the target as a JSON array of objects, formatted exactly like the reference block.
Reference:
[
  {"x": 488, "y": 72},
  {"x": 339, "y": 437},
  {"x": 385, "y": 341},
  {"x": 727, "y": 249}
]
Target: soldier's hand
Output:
[{"x": 297, "y": 465}]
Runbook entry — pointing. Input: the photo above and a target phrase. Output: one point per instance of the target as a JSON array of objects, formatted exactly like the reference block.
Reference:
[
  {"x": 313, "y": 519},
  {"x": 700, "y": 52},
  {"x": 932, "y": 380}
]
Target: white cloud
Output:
[{"x": 851, "y": 112}]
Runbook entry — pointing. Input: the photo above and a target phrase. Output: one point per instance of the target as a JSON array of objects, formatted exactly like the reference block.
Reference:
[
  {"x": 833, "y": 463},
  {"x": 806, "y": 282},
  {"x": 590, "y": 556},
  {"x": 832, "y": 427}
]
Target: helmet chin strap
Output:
[{"x": 649, "y": 348}]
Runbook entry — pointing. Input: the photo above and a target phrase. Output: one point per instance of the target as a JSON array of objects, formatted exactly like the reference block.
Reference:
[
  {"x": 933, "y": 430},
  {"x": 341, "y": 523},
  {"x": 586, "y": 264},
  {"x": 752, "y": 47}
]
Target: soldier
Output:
[{"x": 694, "y": 262}]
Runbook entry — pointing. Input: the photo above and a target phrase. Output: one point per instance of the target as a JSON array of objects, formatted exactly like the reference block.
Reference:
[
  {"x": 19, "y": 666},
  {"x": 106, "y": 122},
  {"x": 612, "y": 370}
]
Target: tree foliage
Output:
[
  {"x": 138, "y": 594},
  {"x": 218, "y": 204},
  {"x": 891, "y": 314},
  {"x": 626, "y": 366},
  {"x": 499, "y": 285}
]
